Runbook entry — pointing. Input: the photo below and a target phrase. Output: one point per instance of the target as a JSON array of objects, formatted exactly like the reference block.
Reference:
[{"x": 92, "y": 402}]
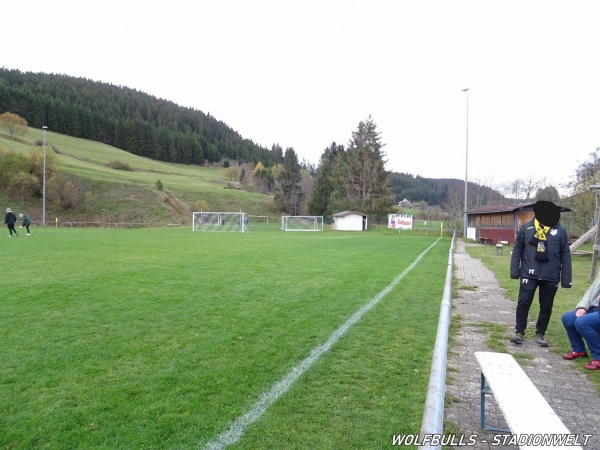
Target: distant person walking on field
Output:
[
  {"x": 10, "y": 219},
  {"x": 541, "y": 258},
  {"x": 26, "y": 222}
]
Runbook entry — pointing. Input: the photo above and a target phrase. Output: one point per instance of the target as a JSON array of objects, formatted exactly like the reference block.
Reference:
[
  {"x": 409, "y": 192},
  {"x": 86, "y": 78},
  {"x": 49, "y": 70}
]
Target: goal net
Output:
[
  {"x": 302, "y": 223},
  {"x": 220, "y": 221}
]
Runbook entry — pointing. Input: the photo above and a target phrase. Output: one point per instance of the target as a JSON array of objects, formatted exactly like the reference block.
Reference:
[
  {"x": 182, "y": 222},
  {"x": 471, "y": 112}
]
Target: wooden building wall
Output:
[{"x": 499, "y": 226}]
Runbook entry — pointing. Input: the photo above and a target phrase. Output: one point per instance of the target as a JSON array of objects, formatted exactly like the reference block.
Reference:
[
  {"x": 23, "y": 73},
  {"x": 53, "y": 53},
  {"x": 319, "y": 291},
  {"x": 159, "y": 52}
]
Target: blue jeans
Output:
[{"x": 583, "y": 328}]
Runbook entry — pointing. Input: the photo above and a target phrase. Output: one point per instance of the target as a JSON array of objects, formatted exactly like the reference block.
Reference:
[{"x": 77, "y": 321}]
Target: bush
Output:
[
  {"x": 159, "y": 185},
  {"x": 22, "y": 185},
  {"x": 65, "y": 191},
  {"x": 200, "y": 205},
  {"x": 232, "y": 185},
  {"x": 12, "y": 163},
  {"x": 231, "y": 173},
  {"x": 120, "y": 165}
]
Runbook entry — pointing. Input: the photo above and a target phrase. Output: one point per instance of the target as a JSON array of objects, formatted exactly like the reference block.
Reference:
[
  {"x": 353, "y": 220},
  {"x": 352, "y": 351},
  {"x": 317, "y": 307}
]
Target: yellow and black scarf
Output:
[
  {"x": 540, "y": 230},
  {"x": 540, "y": 240}
]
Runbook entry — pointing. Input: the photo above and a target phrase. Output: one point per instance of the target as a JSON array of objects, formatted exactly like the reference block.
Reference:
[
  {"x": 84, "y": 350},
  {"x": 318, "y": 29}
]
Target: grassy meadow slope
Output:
[{"x": 131, "y": 196}]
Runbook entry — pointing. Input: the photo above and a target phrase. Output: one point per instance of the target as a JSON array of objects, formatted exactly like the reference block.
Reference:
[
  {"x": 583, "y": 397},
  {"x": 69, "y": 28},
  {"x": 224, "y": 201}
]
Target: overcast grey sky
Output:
[{"x": 304, "y": 73}]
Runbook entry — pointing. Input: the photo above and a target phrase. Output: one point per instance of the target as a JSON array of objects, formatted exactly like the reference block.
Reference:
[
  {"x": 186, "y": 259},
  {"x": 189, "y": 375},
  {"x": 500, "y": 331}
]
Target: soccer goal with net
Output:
[
  {"x": 220, "y": 221},
  {"x": 302, "y": 223}
]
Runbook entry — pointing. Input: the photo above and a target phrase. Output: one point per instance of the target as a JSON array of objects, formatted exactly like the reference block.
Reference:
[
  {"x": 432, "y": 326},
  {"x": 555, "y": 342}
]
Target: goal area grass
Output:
[{"x": 161, "y": 338}]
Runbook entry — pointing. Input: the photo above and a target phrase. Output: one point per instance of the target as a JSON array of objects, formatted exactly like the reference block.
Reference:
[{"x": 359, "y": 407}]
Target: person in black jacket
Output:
[
  {"x": 10, "y": 219},
  {"x": 541, "y": 259}
]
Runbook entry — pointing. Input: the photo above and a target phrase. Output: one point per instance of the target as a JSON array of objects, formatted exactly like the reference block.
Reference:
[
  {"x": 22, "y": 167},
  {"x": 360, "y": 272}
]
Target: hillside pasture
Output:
[
  {"x": 161, "y": 338},
  {"x": 91, "y": 161}
]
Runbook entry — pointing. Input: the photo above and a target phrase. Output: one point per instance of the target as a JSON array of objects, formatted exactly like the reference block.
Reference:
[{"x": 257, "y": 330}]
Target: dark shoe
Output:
[
  {"x": 593, "y": 365},
  {"x": 517, "y": 338},
  {"x": 539, "y": 340},
  {"x": 575, "y": 355}
]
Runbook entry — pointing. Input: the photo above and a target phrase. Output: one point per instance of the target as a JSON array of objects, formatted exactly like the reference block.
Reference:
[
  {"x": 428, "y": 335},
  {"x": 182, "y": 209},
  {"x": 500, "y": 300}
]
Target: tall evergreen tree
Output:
[
  {"x": 319, "y": 203},
  {"x": 362, "y": 181},
  {"x": 289, "y": 195}
]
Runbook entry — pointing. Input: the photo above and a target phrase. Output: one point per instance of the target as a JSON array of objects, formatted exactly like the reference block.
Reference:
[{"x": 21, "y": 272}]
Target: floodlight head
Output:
[
  {"x": 44, "y": 127},
  {"x": 466, "y": 90}
]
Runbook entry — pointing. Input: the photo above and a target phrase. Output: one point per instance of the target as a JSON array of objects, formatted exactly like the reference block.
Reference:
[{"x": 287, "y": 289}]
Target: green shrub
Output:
[
  {"x": 200, "y": 205},
  {"x": 231, "y": 173},
  {"x": 120, "y": 165},
  {"x": 22, "y": 185},
  {"x": 65, "y": 191}
]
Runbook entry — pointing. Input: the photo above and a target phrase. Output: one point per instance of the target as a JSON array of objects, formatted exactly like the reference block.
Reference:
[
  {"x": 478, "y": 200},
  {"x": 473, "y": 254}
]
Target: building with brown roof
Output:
[{"x": 500, "y": 223}]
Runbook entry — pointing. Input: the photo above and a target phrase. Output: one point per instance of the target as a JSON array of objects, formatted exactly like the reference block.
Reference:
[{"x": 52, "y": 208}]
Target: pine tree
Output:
[
  {"x": 289, "y": 195},
  {"x": 359, "y": 178},
  {"x": 319, "y": 203}
]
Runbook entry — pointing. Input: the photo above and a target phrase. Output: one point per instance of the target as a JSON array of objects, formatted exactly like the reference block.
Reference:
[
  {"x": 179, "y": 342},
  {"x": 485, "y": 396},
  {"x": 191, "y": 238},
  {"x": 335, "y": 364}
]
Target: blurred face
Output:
[{"x": 546, "y": 213}]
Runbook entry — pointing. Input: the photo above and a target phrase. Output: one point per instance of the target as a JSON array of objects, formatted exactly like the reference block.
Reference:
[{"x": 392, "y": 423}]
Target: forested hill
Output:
[
  {"x": 125, "y": 118},
  {"x": 439, "y": 191},
  {"x": 159, "y": 129}
]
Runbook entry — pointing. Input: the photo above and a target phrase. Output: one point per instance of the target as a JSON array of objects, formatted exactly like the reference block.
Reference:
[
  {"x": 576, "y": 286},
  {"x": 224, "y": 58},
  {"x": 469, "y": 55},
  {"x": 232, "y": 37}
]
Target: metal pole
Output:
[
  {"x": 466, "y": 165},
  {"x": 44, "y": 181}
]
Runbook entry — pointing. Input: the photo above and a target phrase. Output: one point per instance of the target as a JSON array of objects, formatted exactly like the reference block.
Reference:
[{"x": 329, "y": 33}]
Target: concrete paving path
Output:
[{"x": 566, "y": 388}]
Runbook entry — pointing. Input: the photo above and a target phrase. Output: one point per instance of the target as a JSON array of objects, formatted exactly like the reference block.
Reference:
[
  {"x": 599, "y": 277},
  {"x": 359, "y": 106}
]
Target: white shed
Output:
[{"x": 349, "y": 221}]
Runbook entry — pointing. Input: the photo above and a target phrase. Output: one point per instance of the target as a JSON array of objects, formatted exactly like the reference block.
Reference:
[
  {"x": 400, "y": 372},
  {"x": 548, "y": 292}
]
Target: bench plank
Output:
[{"x": 525, "y": 410}]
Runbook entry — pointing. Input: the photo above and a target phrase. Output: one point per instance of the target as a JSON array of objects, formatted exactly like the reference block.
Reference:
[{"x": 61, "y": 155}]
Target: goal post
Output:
[
  {"x": 220, "y": 221},
  {"x": 302, "y": 223}
]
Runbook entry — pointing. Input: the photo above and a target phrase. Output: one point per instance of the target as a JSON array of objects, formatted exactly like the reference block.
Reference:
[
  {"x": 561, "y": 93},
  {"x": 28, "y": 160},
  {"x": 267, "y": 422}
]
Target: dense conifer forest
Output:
[
  {"x": 159, "y": 129},
  {"x": 125, "y": 118}
]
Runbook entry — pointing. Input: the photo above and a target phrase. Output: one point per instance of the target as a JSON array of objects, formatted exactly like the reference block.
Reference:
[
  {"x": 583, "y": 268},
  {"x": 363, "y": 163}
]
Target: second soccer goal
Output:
[
  {"x": 302, "y": 223},
  {"x": 220, "y": 221}
]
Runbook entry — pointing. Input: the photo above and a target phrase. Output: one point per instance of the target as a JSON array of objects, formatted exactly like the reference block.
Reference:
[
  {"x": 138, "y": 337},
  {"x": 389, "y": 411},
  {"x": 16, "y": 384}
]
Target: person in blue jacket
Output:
[{"x": 541, "y": 260}]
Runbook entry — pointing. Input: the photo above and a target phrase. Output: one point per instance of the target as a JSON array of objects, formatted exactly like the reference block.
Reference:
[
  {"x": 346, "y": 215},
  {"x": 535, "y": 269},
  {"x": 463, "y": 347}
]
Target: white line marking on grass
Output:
[{"x": 238, "y": 427}]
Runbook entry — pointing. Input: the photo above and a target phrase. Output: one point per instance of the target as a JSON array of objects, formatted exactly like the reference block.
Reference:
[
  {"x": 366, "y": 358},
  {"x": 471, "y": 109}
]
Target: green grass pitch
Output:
[{"x": 160, "y": 338}]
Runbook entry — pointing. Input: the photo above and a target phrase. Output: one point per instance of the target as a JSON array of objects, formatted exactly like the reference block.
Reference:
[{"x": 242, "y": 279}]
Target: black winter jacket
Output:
[
  {"x": 10, "y": 218},
  {"x": 558, "y": 268}
]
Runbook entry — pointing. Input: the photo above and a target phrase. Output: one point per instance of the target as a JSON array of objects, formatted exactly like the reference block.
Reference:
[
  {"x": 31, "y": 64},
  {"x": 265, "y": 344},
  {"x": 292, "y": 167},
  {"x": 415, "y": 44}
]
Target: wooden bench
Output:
[
  {"x": 525, "y": 410},
  {"x": 485, "y": 240}
]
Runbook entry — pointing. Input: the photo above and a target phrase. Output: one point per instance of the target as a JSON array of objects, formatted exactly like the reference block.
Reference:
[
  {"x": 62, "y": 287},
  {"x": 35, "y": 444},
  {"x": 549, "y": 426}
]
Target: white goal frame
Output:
[
  {"x": 220, "y": 221},
  {"x": 302, "y": 223}
]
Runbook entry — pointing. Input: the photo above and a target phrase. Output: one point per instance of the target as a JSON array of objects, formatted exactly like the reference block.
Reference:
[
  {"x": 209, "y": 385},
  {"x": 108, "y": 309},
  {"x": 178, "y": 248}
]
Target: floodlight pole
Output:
[
  {"x": 466, "y": 164},
  {"x": 44, "y": 181}
]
